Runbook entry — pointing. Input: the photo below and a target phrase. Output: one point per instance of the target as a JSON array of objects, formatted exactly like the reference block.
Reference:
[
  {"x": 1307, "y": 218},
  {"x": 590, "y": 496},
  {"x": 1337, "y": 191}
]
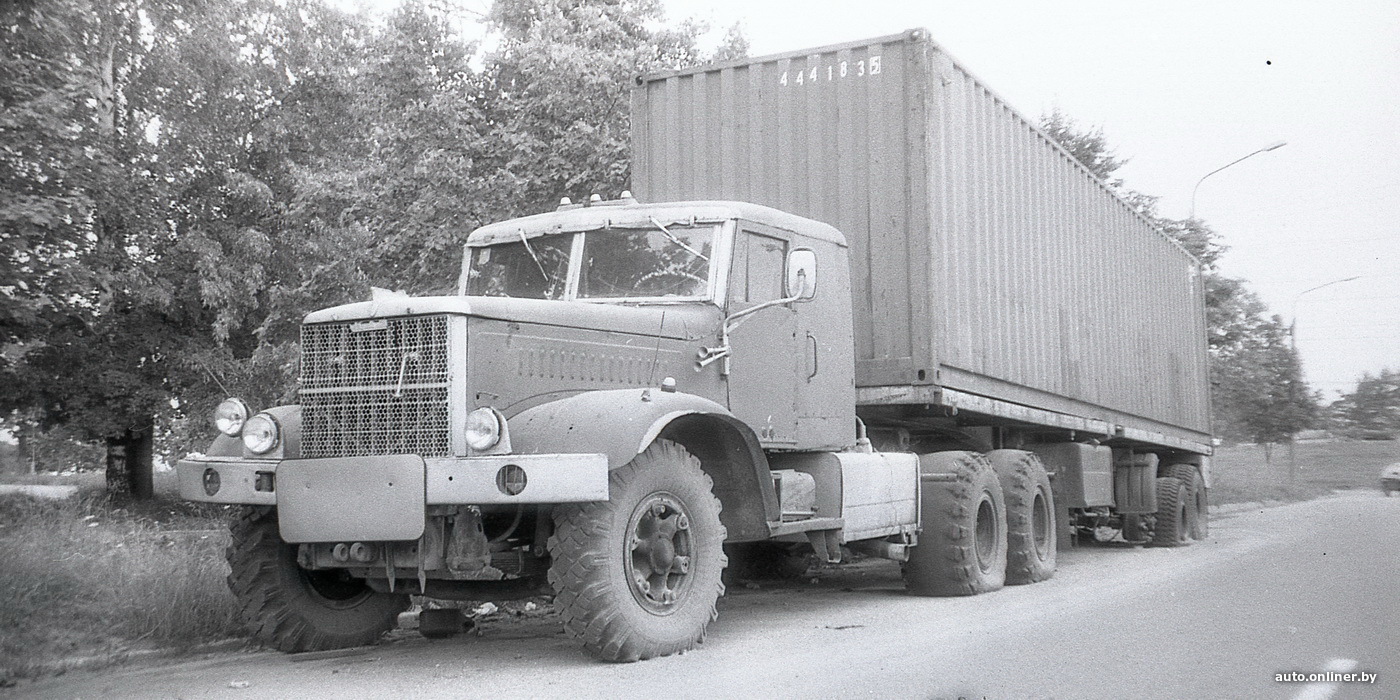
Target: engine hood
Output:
[{"x": 678, "y": 321}]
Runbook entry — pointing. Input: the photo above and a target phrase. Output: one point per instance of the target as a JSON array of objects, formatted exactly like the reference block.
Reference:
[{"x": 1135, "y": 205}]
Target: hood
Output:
[{"x": 679, "y": 321}]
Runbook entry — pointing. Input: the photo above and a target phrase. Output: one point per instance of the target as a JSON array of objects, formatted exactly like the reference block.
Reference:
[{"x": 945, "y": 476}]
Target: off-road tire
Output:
[
  {"x": 962, "y": 547},
  {"x": 1030, "y": 516},
  {"x": 1198, "y": 514},
  {"x": 662, "y": 508},
  {"x": 291, "y": 609},
  {"x": 1171, "y": 529}
]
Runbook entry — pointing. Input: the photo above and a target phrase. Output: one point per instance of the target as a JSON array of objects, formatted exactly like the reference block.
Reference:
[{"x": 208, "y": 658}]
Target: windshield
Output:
[
  {"x": 537, "y": 269},
  {"x": 664, "y": 262},
  {"x": 670, "y": 261}
]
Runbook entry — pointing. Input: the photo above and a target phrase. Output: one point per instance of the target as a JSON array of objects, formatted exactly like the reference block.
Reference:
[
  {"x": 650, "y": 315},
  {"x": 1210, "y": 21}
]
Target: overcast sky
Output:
[{"x": 1180, "y": 89}]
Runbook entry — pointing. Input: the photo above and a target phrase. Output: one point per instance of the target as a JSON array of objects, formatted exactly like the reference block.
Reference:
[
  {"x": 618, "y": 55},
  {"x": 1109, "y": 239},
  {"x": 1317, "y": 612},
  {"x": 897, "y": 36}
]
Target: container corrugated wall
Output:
[{"x": 984, "y": 258}]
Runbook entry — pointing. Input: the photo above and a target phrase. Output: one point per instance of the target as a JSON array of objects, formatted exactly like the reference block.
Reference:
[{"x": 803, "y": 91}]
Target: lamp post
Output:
[
  {"x": 1293, "y": 345},
  {"x": 1293, "y": 313},
  {"x": 1270, "y": 147}
]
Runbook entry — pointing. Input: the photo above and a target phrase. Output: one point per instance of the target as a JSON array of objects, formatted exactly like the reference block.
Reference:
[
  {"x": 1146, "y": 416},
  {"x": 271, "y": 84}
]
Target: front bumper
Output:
[
  {"x": 385, "y": 498},
  {"x": 549, "y": 478}
]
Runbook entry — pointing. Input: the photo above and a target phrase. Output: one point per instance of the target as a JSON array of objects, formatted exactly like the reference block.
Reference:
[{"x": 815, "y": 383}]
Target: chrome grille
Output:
[{"x": 375, "y": 387}]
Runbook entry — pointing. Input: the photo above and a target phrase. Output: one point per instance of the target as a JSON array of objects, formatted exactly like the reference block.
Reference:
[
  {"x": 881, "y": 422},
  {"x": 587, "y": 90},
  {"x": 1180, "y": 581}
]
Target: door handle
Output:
[{"x": 813, "y": 340}]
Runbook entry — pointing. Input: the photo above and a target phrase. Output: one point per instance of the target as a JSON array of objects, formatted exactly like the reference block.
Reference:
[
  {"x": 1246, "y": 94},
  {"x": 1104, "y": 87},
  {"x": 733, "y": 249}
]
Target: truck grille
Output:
[{"x": 375, "y": 387}]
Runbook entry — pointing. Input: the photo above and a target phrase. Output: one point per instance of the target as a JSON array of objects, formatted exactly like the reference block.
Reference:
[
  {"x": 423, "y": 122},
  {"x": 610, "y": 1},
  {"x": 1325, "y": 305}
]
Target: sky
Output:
[{"x": 1181, "y": 88}]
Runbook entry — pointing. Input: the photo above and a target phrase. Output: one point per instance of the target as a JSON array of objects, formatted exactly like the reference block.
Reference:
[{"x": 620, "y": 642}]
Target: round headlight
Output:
[
  {"x": 230, "y": 416},
  {"x": 483, "y": 429},
  {"x": 261, "y": 433}
]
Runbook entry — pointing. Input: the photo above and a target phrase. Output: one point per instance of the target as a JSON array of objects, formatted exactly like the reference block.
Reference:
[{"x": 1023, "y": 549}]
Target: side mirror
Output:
[{"x": 801, "y": 274}]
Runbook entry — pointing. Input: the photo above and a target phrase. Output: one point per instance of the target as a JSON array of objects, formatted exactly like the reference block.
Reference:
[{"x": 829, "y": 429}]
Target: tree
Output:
[
  {"x": 1257, "y": 390},
  {"x": 172, "y": 254},
  {"x": 1372, "y": 410}
]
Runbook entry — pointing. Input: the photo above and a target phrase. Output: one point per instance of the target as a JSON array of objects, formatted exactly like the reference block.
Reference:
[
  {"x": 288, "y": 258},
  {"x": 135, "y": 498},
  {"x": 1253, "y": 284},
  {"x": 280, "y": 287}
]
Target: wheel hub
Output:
[{"x": 659, "y": 552}]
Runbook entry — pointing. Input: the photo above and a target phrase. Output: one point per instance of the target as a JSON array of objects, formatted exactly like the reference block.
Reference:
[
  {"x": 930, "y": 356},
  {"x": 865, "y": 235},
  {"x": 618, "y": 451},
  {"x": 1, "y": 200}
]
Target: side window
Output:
[{"x": 766, "y": 258}]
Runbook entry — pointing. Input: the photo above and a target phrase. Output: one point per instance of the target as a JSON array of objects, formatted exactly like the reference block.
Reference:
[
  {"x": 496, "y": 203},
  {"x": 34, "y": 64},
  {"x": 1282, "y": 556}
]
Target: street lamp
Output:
[
  {"x": 1270, "y": 147},
  {"x": 1293, "y": 313},
  {"x": 1293, "y": 345}
]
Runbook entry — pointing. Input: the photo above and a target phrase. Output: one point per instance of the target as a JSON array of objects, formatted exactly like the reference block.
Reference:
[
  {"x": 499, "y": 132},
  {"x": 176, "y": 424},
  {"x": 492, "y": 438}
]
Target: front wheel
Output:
[
  {"x": 294, "y": 609},
  {"x": 637, "y": 576}
]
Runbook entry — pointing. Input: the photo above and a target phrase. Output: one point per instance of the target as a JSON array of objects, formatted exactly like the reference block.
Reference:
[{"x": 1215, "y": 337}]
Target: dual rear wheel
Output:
[{"x": 988, "y": 521}]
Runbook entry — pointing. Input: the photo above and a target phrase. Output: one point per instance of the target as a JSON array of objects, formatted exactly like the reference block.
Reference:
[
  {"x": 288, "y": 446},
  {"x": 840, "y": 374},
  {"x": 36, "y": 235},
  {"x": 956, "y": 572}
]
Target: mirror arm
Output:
[{"x": 732, "y": 322}]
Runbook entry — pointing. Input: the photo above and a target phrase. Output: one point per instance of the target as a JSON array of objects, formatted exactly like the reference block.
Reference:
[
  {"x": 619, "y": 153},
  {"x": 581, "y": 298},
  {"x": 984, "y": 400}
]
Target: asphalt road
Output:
[{"x": 1303, "y": 588}]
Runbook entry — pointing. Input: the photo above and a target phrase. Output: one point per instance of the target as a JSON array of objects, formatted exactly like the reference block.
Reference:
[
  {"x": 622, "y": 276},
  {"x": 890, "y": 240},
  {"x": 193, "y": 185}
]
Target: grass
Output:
[
  {"x": 1243, "y": 474},
  {"x": 94, "y": 575}
]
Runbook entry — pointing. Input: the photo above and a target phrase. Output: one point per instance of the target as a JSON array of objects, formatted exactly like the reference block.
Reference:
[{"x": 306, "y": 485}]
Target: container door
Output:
[{"x": 765, "y": 352}]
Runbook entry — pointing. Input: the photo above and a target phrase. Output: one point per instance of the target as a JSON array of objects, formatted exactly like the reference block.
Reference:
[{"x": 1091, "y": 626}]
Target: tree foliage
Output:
[
  {"x": 1257, "y": 389},
  {"x": 180, "y": 182},
  {"x": 1372, "y": 410}
]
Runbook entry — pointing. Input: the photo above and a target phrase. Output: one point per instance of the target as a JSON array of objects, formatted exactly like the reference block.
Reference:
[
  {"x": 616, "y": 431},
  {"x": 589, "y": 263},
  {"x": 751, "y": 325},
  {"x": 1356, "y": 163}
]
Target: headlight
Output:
[
  {"x": 261, "y": 433},
  {"x": 230, "y": 416},
  {"x": 483, "y": 429}
]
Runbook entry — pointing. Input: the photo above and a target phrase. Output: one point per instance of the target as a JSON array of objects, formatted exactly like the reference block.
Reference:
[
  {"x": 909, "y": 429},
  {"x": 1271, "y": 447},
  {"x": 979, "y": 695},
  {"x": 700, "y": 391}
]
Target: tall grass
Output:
[{"x": 92, "y": 575}]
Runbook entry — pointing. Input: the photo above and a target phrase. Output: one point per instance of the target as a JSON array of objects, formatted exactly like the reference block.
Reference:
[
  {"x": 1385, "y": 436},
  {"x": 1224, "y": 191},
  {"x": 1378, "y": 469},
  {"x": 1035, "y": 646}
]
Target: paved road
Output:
[{"x": 1306, "y": 587}]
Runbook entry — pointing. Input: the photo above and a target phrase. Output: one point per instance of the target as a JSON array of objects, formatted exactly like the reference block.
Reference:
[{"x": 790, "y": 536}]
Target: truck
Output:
[{"x": 858, "y": 306}]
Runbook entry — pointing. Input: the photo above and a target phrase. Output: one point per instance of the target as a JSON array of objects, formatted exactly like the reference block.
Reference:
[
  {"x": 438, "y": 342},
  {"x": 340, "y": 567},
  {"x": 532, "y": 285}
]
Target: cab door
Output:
[{"x": 764, "y": 350}]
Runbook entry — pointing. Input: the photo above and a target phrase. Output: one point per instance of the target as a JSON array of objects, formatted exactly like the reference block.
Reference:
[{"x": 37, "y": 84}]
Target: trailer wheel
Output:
[
  {"x": 292, "y": 609},
  {"x": 1198, "y": 514},
  {"x": 637, "y": 576},
  {"x": 1172, "y": 511},
  {"x": 1030, "y": 516},
  {"x": 962, "y": 547}
]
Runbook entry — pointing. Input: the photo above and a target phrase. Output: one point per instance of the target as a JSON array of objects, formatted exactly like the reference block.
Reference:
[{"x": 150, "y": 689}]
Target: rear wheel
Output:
[
  {"x": 1198, "y": 514},
  {"x": 294, "y": 609},
  {"x": 1172, "y": 508},
  {"x": 1030, "y": 516},
  {"x": 962, "y": 546},
  {"x": 638, "y": 575}
]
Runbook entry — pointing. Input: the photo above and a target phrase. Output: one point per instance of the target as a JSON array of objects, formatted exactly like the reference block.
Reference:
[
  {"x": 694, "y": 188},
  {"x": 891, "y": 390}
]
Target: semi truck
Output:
[{"x": 858, "y": 306}]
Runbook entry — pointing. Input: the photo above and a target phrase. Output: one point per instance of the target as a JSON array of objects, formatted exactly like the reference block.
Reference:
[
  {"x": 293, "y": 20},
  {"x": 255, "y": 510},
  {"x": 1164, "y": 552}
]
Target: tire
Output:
[
  {"x": 1030, "y": 516},
  {"x": 1198, "y": 514},
  {"x": 637, "y": 576},
  {"x": 962, "y": 547},
  {"x": 291, "y": 609},
  {"x": 1173, "y": 510}
]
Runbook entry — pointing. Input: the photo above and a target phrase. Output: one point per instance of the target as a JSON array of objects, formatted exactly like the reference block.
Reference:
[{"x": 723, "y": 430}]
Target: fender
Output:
[{"x": 621, "y": 423}]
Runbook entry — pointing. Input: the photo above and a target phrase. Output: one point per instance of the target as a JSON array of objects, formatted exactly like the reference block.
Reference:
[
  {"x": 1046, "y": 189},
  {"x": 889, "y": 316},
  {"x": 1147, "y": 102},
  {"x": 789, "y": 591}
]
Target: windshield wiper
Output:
[
  {"x": 526, "y": 242},
  {"x": 677, "y": 241}
]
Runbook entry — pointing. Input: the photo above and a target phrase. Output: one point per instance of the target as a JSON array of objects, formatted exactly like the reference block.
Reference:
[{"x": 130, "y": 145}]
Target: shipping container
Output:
[{"x": 990, "y": 270}]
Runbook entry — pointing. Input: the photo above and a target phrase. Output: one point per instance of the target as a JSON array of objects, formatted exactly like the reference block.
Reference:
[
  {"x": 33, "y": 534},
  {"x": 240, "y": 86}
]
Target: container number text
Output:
[{"x": 844, "y": 69}]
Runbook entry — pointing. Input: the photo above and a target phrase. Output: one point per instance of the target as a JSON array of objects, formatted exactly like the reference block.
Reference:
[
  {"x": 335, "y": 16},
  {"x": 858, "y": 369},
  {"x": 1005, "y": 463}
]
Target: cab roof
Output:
[{"x": 640, "y": 216}]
